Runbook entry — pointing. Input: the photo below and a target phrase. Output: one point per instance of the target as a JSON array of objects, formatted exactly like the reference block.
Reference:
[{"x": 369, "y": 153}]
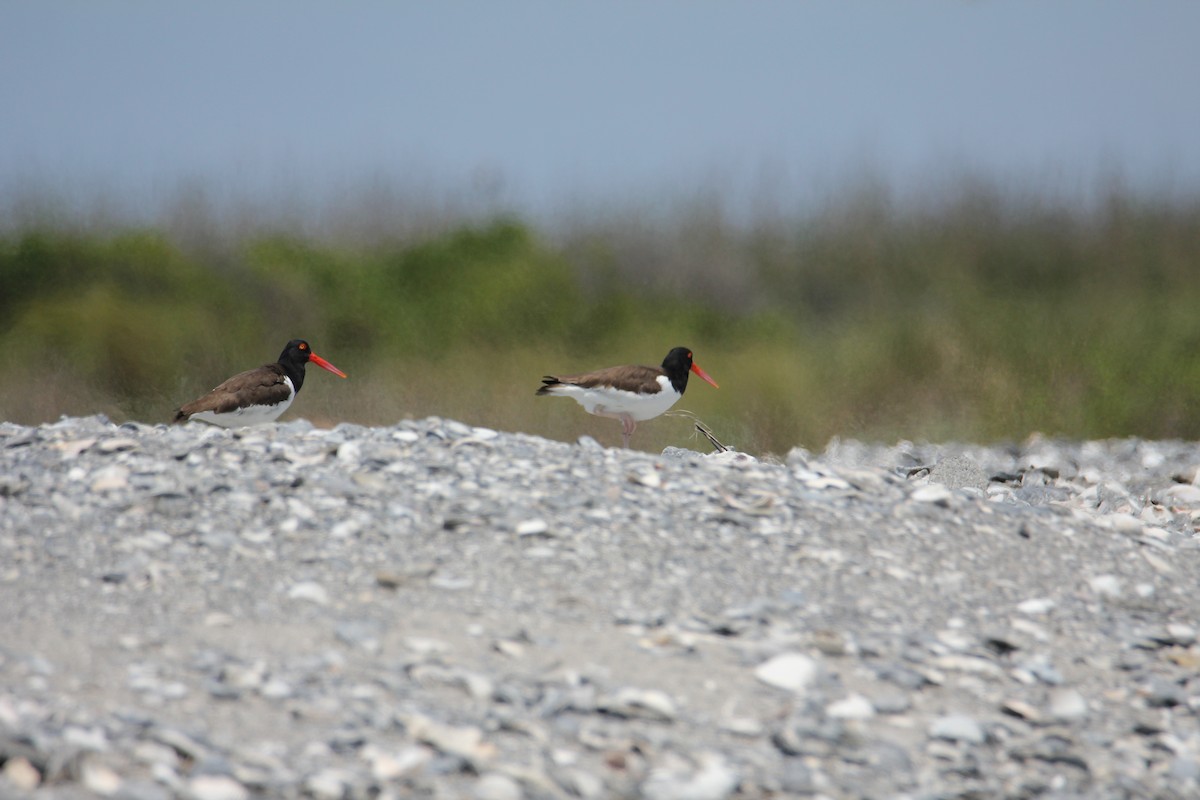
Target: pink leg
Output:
[{"x": 628, "y": 426}]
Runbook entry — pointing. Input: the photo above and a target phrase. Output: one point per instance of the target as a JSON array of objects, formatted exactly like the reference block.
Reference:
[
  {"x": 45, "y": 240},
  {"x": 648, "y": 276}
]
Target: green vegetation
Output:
[{"x": 982, "y": 319}]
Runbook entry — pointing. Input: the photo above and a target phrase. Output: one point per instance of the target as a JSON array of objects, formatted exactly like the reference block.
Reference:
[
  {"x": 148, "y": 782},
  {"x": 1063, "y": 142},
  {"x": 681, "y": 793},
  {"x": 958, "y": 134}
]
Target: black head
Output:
[
  {"x": 678, "y": 364},
  {"x": 297, "y": 351},
  {"x": 293, "y": 358},
  {"x": 296, "y": 355}
]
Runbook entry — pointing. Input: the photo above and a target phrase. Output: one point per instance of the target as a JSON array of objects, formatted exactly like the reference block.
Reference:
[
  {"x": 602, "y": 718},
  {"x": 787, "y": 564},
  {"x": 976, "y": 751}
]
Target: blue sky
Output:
[{"x": 543, "y": 103}]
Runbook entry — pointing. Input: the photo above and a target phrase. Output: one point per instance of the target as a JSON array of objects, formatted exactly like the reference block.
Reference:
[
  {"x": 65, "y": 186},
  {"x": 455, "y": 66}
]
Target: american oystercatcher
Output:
[
  {"x": 258, "y": 395},
  {"x": 630, "y": 394}
]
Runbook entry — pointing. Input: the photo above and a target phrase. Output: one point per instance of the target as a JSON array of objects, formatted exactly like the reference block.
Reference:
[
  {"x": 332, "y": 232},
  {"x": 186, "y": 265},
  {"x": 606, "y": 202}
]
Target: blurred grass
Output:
[{"x": 979, "y": 318}]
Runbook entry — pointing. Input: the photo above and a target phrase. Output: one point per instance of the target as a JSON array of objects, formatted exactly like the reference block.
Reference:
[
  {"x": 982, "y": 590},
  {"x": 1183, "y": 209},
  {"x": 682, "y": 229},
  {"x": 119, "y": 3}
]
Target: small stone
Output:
[
  {"x": 831, "y": 643},
  {"x": 743, "y": 726},
  {"x": 969, "y": 664},
  {"x": 311, "y": 591},
  {"x": 216, "y": 787},
  {"x": 1126, "y": 523},
  {"x": 713, "y": 780},
  {"x": 798, "y": 457},
  {"x": 1036, "y": 606},
  {"x": 510, "y": 648},
  {"x": 98, "y": 778},
  {"x": 73, "y": 448},
  {"x": 1160, "y": 564},
  {"x": 581, "y": 784},
  {"x": 1185, "y": 494},
  {"x": 494, "y": 786},
  {"x": 1035, "y": 671},
  {"x": 649, "y": 479},
  {"x": 450, "y": 582},
  {"x": 346, "y": 529},
  {"x": 329, "y": 784},
  {"x": 1163, "y": 693},
  {"x": 888, "y": 700},
  {"x": 426, "y": 647},
  {"x": 854, "y": 706},
  {"x": 824, "y": 483},
  {"x": 349, "y": 452},
  {"x": 465, "y": 742},
  {"x": 110, "y": 479},
  {"x": 1021, "y": 709},
  {"x": 791, "y": 671},
  {"x": 21, "y": 774},
  {"x": 958, "y": 472},
  {"x": 532, "y": 527},
  {"x": 389, "y": 767},
  {"x": 117, "y": 445},
  {"x": 1068, "y": 705},
  {"x": 1181, "y": 634},
  {"x": 934, "y": 494},
  {"x": 632, "y": 702},
  {"x": 957, "y": 728},
  {"x": 1106, "y": 585}
]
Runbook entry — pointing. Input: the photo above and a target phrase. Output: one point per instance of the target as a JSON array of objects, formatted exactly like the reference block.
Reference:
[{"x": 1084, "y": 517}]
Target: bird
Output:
[
  {"x": 630, "y": 394},
  {"x": 256, "y": 396}
]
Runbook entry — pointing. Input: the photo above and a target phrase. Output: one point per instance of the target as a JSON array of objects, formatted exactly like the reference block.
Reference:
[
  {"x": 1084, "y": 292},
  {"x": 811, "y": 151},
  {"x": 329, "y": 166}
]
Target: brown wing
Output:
[
  {"x": 262, "y": 386},
  {"x": 643, "y": 380}
]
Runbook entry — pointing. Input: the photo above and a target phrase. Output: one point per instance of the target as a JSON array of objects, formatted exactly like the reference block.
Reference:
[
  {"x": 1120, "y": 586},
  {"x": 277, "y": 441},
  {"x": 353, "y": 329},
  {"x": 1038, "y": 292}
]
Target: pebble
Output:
[
  {"x": 99, "y": 778},
  {"x": 311, "y": 591},
  {"x": 1036, "y": 606},
  {"x": 1068, "y": 705},
  {"x": 110, "y": 479},
  {"x": 957, "y": 728},
  {"x": 854, "y": 706},
  {"x": 958, "y": 471},
  {"x": 532, "y": 527},
  {"x": 216, "y": 787},
  {"x": 643, "y": 703},
  {"x": 464, "y": 741},
  {"x": 21, "y": 774},
  {"x": 329, "y": 784},
  {"x": 712, "y": 779},
  {"x": 793, "y": 672},
  {"x": 493, "y": 786},
  {"x": 932, "y": 494},
  {"x": 1106, "y": 585},
  {"x": 1022, "y": 709}
]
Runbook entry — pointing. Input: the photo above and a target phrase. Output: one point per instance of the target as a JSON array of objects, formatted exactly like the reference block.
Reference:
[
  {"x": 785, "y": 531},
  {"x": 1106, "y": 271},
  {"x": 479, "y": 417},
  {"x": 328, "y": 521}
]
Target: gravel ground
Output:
[{"x": 435, "y": 610}]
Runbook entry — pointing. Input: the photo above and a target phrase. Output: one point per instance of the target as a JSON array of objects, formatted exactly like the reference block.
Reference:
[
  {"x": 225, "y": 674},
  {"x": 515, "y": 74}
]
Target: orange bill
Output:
[
  {"x": 696, "y": 369},
  {"x": 323, "y": 364}
]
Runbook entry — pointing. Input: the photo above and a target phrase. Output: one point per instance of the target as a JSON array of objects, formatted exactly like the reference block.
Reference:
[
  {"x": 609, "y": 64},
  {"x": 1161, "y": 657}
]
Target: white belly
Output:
[
  {"x": 607, "y": 402},
  {"x": 248, "y": 415}
]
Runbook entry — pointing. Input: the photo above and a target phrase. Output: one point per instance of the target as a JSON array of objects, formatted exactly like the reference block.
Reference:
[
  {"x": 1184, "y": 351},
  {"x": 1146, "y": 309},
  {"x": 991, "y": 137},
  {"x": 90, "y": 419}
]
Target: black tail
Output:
[{"x": 547, "y": 382}]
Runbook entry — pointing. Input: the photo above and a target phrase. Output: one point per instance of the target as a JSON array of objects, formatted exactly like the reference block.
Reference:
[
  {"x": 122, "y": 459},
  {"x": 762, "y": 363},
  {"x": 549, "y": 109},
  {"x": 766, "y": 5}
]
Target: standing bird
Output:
[
  {"x": 258, "y": 395},
  {"x": 630, "y": 394}
]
